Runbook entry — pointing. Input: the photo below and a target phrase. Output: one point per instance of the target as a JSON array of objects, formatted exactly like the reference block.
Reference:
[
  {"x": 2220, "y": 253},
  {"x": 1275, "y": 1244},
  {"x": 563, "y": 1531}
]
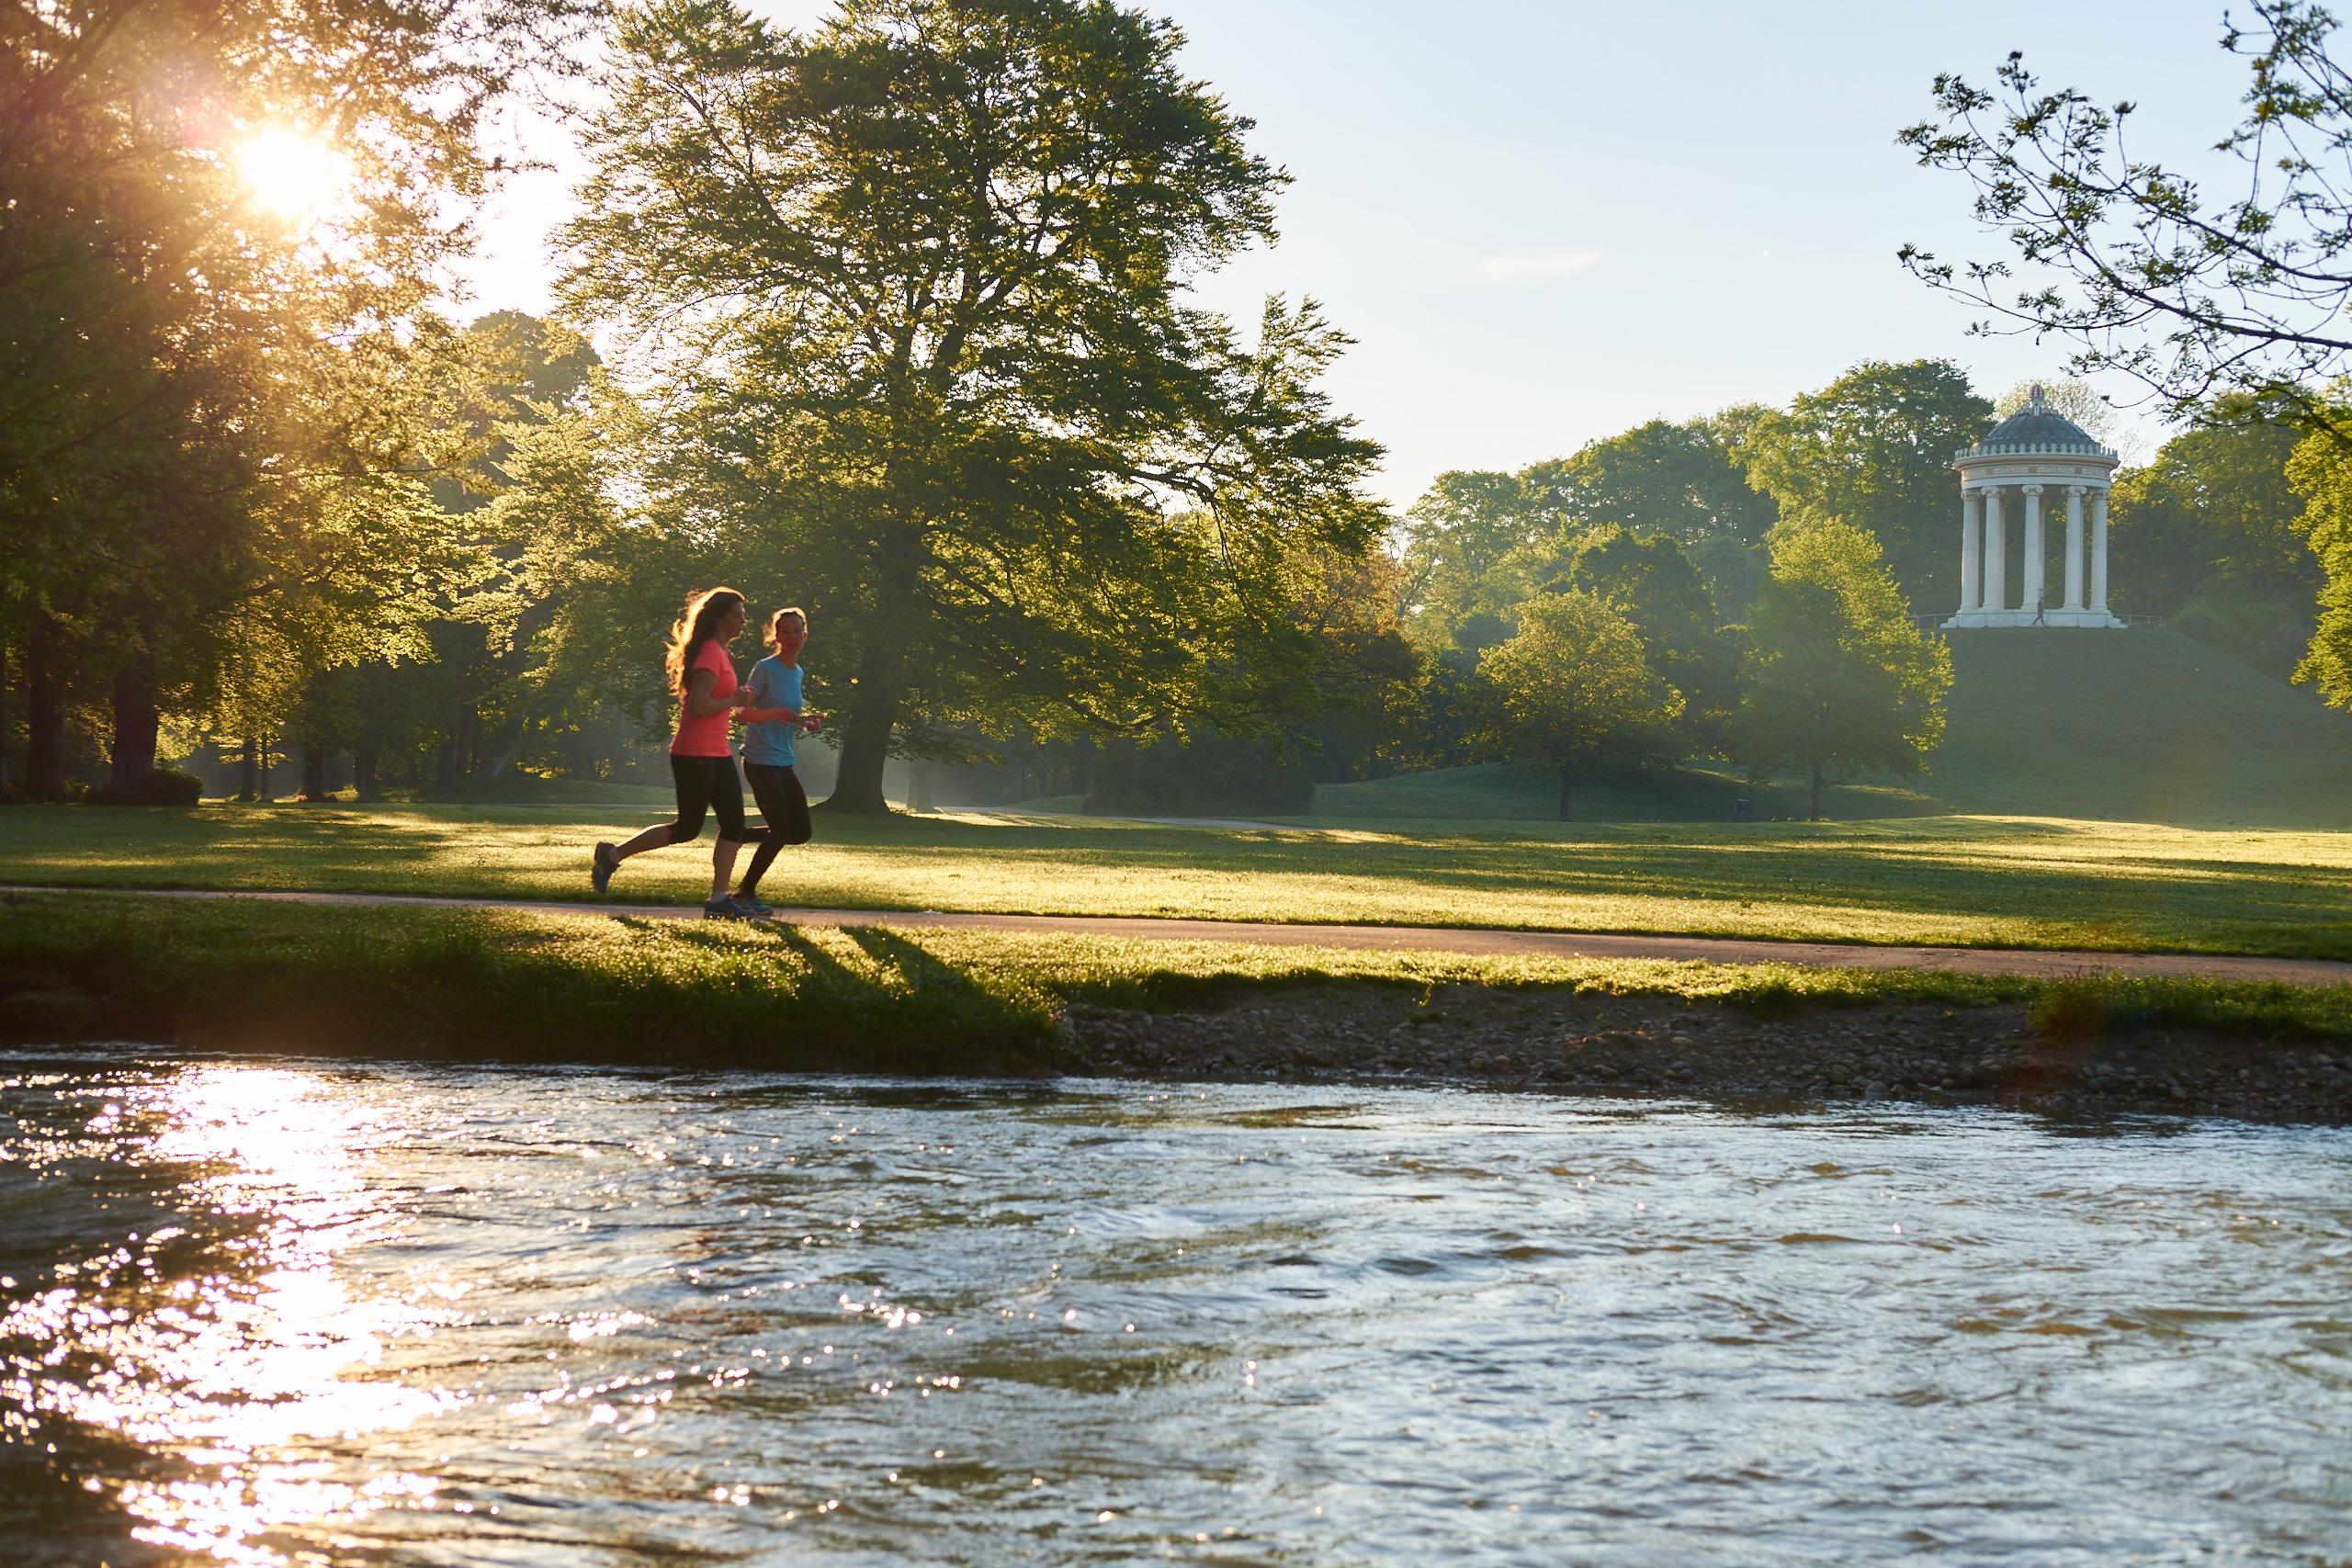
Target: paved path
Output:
[{"x": 2048, "y": 963}]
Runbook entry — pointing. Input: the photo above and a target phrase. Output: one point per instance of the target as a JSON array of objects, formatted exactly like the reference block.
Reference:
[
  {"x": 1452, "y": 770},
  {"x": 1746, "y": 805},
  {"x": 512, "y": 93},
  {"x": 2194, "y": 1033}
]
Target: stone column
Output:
[
  {"x": 2075, "y": 547},
  {"x": 1996, "y": 565},
  {"x": 1971, "y": 554},
  {"x": 2035, "y": 555},
  {"x": 2099, "y": 550}
]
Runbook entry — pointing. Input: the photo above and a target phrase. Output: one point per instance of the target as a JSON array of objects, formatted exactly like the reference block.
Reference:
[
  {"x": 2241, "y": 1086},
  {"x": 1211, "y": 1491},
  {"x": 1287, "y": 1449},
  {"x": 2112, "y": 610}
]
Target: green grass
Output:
[
  {"x": 517, "y": 986},
  {"x": 2017, "y": 882}
]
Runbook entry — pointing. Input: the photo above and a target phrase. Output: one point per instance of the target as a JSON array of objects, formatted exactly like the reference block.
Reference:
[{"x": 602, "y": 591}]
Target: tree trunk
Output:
[
  {"x": 865, "y": 739},
  {"x": 132, "y": 753},
  {"x": 44, "y": 714},
  {"x": 1564, "y": 791},
  {"x": 363, "y": 771},
  {"x": 1813, "y": 812},
  {"x": 268, "y": 743},
  {"x": 248, "y": 786},
  {"x": 314, "y": 773},
  {"x": 922, "y": 789},
  {"x": 5, "y": 689},
  {"x": 445, "y": 769}
]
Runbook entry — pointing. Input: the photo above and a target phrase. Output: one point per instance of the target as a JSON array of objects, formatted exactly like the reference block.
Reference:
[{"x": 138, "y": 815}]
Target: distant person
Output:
[
  {"x": 702, "y": 766},
  {"x": 772, "y": 717}
]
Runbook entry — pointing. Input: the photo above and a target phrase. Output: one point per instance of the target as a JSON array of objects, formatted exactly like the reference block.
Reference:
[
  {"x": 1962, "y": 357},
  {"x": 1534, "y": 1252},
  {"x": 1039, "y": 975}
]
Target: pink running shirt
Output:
[{"x": 705, "y": 736}]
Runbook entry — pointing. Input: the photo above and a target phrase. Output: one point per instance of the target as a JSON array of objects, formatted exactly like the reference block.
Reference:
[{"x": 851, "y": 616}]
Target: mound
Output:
[{"x": 2145, "y": 725}]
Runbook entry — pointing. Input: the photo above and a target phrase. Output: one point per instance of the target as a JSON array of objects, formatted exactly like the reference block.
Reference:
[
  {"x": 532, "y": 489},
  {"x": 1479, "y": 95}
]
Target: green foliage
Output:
[
  {"x": 1839, "y": 680},
  {"x": 1874, "y": 448},
  {"x": 1465, "y": 542},
  {"x": 2213, "y": 532},
  {"x": 2320, "y": 471},
  {"x": 1478, "y": 543},
  {"x": 1654, "y": 581},
  {"x": 931, "y": 343},
  {"x": 1682, "y": 480},
  {"x": 218, "y": 415},
  {"x": 1573, "y": 685}
]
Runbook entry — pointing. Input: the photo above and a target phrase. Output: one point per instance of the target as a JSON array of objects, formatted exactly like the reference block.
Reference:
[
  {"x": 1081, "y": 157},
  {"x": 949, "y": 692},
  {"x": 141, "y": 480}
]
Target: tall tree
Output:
[
  {"x": 2212, "y": 533},
  {"x": 192, "y": 357},
  {"x": 1874, "y": 448},
  {"x": 1653, "y": 580},
  {"x": 1572, "y": 686},
  {"x": 1839, "y": 679},
  {"x": 1681, "y": 481},
  {"x": 1463, "y": 541},
  {"x": 917, "y": 278}
]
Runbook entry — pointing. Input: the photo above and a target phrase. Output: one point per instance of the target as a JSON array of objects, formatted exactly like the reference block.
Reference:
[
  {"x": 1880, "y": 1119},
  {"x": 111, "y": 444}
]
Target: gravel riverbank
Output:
[{"x": 1597, "y": 1044}]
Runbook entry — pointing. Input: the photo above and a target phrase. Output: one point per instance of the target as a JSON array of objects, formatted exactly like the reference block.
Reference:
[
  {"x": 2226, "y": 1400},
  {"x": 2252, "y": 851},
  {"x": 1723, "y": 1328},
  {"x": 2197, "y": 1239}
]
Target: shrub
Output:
[{"x": 164, "y": 786}]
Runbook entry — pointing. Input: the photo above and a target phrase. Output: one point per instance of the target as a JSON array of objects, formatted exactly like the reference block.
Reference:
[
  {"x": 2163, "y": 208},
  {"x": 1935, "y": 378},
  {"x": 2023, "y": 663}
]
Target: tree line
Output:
[{"x": 899, "y": 318}]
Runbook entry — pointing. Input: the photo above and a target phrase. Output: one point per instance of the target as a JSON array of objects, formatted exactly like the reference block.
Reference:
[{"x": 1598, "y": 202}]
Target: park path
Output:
[{"x": 2045, "y": 963}]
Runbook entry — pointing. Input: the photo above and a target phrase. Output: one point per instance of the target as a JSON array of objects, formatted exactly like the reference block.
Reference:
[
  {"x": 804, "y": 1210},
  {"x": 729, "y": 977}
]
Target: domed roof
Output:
[{"x": 2038, "y": 427}]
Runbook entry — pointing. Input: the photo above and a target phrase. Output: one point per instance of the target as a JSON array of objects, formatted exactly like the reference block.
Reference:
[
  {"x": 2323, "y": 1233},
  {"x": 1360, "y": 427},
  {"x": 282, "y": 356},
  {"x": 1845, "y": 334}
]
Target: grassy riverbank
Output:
[
  {"x": 1991, "y": 882},
  {"x": 504, "y": 985}
]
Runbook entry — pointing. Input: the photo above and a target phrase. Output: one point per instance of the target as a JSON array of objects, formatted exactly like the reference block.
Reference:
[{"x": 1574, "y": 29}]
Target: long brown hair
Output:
[{"x": 697, "y": 624}]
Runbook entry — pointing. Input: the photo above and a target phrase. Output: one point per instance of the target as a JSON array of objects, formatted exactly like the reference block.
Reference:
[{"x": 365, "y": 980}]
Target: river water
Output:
[{"x": 305, "y": 1312}]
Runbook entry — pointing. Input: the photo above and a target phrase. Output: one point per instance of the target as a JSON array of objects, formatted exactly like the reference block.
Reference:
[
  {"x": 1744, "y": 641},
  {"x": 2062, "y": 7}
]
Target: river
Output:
[{"x": 293, "y": 1311}]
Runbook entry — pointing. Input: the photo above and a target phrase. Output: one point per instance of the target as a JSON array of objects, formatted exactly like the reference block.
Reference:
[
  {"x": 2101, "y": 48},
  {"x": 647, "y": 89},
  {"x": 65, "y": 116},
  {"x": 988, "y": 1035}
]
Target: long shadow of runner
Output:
[{"x": 991, "y": 1033}]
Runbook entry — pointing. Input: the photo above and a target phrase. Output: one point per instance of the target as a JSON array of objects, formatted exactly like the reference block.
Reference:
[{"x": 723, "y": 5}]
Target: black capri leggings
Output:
[
  {"x": 785, "y": 805},
  {"x": 708, "y": 785}
]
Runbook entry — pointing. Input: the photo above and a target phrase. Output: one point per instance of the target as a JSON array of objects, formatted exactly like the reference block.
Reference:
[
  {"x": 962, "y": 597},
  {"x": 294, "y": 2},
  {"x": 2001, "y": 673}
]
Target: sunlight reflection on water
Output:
[{"x": 298, "y": 1311}]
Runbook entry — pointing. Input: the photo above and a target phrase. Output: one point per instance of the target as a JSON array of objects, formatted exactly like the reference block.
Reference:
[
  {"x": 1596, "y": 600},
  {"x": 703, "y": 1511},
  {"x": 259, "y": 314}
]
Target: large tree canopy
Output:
[
  {"x": 1874, "y": 448},
  {"x": 213, "y": 401},
  {"x": 915, "y": 285},
  {"x": 1572, "y": 686},
  {"x": 1682, "y": 480}
]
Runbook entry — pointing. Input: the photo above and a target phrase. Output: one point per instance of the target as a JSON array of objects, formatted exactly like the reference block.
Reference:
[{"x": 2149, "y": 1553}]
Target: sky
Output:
[{"x": 1544, "y": 223}]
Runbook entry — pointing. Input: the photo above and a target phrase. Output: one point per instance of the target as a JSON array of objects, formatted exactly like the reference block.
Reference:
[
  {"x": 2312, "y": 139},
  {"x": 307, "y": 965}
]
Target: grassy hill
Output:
[{"x": 2144, "y": 726}]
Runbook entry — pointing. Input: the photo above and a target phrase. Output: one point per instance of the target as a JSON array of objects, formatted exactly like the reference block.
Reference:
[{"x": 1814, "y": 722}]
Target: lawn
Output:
[{"x": 2023, "y": 882}]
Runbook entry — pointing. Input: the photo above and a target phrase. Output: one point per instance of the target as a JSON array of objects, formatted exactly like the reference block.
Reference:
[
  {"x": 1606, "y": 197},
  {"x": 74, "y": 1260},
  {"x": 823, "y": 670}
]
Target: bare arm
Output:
[{"x": 699, "y": 702}]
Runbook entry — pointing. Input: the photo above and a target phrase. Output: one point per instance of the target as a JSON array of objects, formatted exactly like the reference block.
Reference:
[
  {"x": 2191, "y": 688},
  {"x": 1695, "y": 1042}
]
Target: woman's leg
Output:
[
  {"x": 692, "y": 779},
  {"x": 784, "y": 806},
  {"x": 726, "y": 805}
]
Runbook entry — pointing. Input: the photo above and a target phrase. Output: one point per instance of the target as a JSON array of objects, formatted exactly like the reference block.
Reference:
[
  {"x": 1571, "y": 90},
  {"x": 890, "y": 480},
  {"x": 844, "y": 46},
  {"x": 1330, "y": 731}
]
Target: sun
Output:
[{"x": 295, "y": 176}]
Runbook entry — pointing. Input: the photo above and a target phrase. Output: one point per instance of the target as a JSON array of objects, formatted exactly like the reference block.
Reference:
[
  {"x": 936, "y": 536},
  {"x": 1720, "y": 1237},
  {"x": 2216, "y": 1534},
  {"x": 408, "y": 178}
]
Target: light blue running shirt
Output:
[{"x": 775, "y": 684}]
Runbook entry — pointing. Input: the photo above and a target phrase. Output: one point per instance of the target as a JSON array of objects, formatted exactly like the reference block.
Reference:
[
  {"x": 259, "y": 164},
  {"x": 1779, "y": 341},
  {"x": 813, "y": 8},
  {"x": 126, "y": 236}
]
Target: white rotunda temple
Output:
[{"x": 2035, "y": 455}]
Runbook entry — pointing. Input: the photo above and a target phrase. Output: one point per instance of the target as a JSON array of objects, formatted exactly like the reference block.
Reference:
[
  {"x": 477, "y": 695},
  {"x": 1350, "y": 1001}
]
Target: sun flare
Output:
[{"x": 295, "y": 176}]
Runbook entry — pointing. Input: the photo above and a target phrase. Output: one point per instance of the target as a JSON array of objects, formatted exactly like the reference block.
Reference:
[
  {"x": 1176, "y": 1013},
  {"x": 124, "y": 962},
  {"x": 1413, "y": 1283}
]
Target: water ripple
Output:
[{"x": 296, "y": 1312}]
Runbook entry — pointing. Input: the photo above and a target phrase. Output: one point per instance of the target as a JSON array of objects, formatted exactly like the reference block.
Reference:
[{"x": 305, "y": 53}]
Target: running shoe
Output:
[
  {"x": 753, "y": 904},
  {"x": 607, "y": 860},
  {"x": 725, "y": 909}
]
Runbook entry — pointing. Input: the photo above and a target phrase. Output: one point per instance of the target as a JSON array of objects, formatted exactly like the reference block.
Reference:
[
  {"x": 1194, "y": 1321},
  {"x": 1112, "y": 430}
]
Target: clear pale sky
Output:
[{"x": 1547, "y": 222}]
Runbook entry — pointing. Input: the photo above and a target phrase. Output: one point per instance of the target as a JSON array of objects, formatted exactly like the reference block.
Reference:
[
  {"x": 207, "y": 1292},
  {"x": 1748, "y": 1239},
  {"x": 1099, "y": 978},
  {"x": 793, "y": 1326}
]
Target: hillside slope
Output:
[{"x": 2144, "y": 726}]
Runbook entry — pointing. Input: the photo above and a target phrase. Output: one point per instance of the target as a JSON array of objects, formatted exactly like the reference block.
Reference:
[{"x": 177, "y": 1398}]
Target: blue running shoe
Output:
[
  {"x": 725, "y": 909},
  {"x": 599, "y": 870},
  {"x": 753, "y": 904}
]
